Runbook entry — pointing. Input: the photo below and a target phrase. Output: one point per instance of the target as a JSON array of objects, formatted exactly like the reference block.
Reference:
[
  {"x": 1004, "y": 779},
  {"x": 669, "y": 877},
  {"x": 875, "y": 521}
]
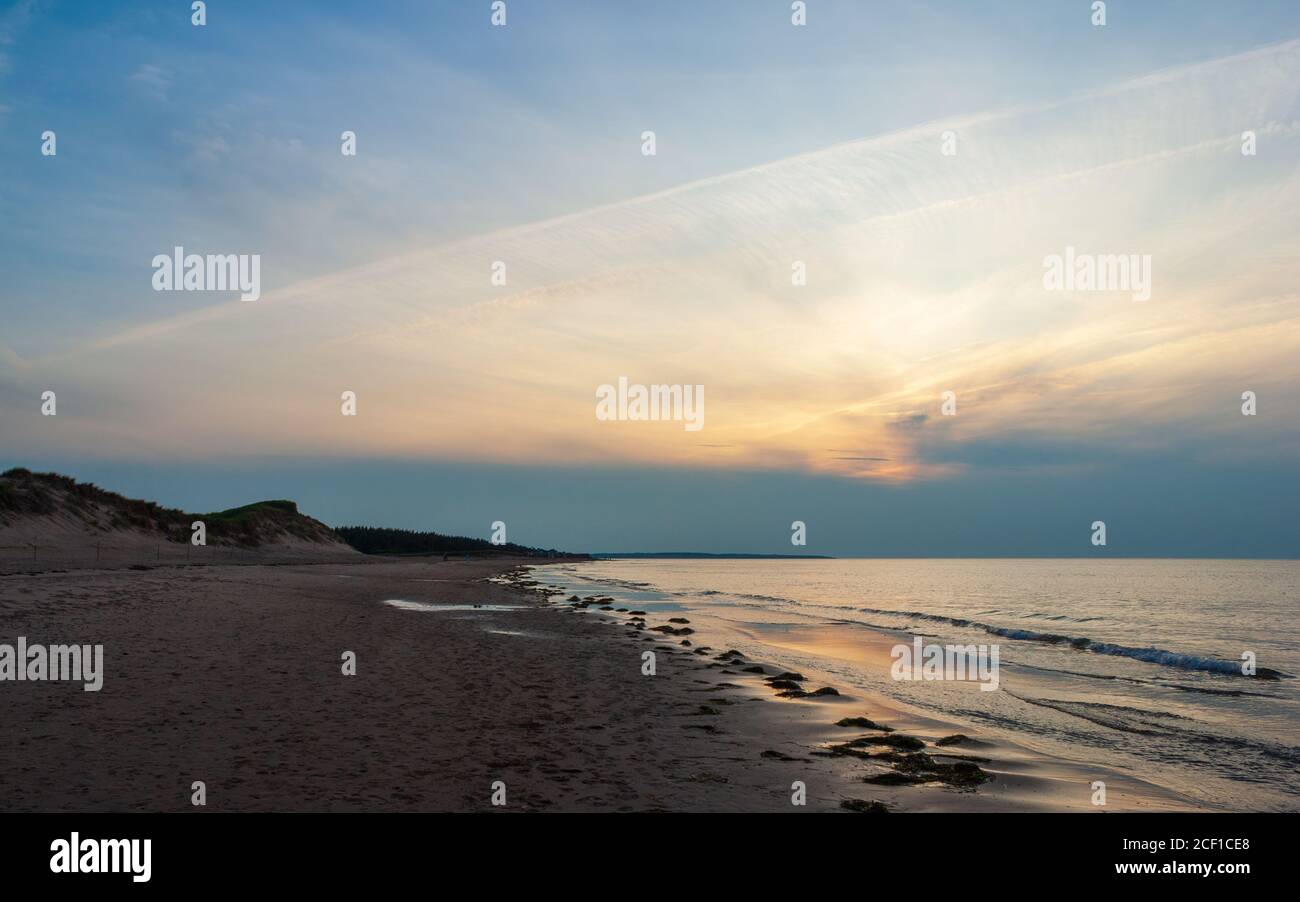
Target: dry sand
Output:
[
  {"x": 232, "y": 675},
  {"x": 37, "y": 544}
]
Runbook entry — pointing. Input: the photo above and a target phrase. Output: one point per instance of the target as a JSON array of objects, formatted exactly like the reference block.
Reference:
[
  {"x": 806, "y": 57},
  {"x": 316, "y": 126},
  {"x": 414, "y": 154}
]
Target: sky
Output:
[{"x": 918, "y": 162}]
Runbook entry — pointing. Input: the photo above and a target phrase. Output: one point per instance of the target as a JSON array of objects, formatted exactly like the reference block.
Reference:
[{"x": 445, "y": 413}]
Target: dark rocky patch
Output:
[
  {"x": 779, "y": 756},
  {"x": 893, "y": 778},
  {"x": 865, "y": 723},
  {"x": 859, "y": 747},
  {"x": 918, "y": 767},
  {"x": 862, "y": 806}
]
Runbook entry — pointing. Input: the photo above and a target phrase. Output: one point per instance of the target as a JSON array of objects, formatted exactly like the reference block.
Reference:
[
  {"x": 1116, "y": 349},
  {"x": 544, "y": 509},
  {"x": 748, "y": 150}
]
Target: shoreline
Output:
[
  {"x": 231, "y": 675},
  {"x": 1015, "y": 778}
]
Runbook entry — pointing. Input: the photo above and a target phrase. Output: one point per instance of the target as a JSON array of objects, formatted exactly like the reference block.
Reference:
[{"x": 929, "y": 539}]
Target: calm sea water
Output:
[{"x": 1134, "y": 664}]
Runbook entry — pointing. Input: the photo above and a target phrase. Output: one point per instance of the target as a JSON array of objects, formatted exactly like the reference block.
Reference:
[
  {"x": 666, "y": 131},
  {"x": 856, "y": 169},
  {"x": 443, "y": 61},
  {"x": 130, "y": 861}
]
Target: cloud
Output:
[
  {"x": 924, "y": 276},
  {"x": 153, "y": 81},
  {"x": 12, "y": 23}
]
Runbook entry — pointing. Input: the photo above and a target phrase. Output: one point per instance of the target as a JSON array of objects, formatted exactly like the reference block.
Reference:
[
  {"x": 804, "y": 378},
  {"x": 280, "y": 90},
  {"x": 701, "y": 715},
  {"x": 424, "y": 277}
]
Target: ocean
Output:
[{"x": 1131, "y": 664}]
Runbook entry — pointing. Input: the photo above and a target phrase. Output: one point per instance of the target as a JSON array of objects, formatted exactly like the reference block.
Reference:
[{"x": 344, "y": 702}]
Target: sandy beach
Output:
[{"x": 233, "y": 675}]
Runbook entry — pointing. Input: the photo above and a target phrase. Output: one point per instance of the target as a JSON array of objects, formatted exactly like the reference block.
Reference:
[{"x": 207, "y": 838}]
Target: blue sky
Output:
[
  {"x": 229, "y": 132},
  {"x": 774, "y": 143}
]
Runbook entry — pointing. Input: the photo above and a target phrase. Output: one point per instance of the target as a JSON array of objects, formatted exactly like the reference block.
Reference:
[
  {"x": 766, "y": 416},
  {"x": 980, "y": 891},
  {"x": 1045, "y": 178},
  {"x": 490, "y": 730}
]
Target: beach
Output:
[{"x": 478, "y": 682}]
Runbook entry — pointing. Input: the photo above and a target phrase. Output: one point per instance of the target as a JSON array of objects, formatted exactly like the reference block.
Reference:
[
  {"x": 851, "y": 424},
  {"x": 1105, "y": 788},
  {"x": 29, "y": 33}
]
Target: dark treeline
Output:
[{"x": 378, "y": 540}]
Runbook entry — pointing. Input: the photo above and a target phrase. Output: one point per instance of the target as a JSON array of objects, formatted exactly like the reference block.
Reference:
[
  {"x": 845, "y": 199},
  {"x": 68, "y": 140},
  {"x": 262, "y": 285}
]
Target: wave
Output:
[
  {"x": 620, "y": 583},
  {"x": 1147, "y": 722},
  {"x": 1043, "y": 615},
  {"x": 1115, "y": 717},
  {"x": 764, "y": 598},
  {"x": 1159, "y": 684},
  {"x": 1149, "y": 654}
]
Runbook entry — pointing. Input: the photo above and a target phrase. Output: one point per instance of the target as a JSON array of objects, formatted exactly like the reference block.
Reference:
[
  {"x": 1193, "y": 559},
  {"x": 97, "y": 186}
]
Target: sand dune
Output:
[{"x": 49, "y": 521}]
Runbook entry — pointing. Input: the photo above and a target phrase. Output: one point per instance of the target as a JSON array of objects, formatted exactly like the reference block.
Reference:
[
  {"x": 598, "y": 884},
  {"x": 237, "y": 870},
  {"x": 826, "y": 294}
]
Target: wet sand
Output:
[{"x": 232, "y": 675}]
